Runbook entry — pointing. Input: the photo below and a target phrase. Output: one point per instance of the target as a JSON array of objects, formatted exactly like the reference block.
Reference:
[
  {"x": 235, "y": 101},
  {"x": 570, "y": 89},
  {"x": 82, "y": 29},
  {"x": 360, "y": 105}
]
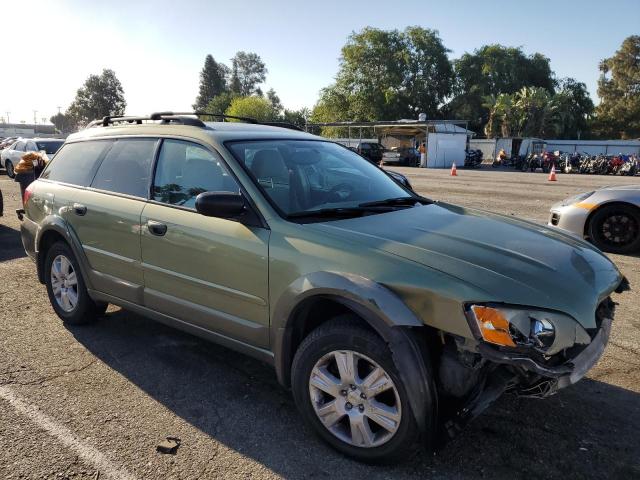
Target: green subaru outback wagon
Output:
[{"x": 394, "y": 319}]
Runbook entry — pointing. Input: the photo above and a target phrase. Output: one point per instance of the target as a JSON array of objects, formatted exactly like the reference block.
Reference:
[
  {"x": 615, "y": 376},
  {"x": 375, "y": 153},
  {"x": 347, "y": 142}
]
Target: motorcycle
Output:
[{"x": 473, "y": 159}]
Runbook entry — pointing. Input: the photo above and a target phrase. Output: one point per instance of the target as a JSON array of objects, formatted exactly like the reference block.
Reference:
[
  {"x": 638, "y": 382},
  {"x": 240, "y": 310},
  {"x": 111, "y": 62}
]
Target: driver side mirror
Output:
[{"x": 220, "y": 204}]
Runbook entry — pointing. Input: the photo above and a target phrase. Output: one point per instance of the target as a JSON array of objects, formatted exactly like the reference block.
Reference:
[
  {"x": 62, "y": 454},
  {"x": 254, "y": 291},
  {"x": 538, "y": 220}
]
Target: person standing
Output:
[{"x": 423, "y": 155}]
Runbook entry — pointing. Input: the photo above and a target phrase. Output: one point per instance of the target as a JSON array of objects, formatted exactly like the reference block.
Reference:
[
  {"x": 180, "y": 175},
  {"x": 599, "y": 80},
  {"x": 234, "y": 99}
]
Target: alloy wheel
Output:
[
  {"x": 64, "y": 283},
  {"x": 355, "y": 398},
  {"x": 619, "y": 229}
]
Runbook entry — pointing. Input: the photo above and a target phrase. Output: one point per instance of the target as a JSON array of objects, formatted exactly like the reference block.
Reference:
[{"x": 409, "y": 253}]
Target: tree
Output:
[
  {"x": 537, "y": 111},
  {"x": 296, "y": 117},
  {"x": 575, "y": 108},
  {"x": 62, "y": 122},
  {"x": 212, "y": 82},
  {"x": 255, "y": 107},
  {"x": 220, "y": 103},
  {"x": 274, "y": 100},
  {"x": 503, "y": 116},
  {"x": 490, "y": 71},
  {"x": 387, "y": 75},
  {"x": 100, "y": 96},
  {"x": 530, "y": 112},
  {"x": 618, "y": 114},
  {"x": 247, "y": 72}
]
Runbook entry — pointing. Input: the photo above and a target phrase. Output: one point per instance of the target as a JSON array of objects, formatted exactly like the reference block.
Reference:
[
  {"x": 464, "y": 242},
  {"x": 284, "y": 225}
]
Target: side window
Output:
[
  {"x": 185, "y": 170},
  {"x": 126, "y": 167},
  {"x": 31, "y": 147},
  {"x": 75, "y": 163},
  {"x": 19, "y": 146}
]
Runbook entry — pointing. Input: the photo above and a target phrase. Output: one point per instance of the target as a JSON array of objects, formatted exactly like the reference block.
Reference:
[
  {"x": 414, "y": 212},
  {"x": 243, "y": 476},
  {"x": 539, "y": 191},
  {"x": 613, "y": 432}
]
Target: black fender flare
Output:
[
  {"x": 383, "y": 311},
  {"x": 58, "y": 225}
]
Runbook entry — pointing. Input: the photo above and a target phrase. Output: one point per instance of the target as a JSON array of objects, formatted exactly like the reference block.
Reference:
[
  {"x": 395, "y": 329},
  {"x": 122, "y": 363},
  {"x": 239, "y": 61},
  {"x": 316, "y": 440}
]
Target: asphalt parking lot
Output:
[{"x": 93, "y": 402}]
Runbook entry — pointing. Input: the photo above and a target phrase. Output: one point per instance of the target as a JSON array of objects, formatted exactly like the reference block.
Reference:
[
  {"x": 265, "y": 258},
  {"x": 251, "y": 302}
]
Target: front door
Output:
[{"x": 210, "y": 272}]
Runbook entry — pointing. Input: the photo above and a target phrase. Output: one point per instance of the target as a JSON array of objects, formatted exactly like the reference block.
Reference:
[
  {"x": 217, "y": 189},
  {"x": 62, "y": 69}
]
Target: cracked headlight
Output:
[{"x": 544, "y": 331}]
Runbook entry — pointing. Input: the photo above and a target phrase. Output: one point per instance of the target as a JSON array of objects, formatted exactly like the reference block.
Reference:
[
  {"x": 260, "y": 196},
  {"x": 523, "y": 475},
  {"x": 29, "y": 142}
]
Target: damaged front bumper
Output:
[
  {"x": 493, "y": 371},
  {"x": 558, "y": 376}
]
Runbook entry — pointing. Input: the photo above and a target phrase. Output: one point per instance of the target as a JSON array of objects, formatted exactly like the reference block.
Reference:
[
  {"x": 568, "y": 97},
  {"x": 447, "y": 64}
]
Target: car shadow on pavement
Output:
[
  {"x": 10, "y": 244},
  {"x": 589, "y": 430}
]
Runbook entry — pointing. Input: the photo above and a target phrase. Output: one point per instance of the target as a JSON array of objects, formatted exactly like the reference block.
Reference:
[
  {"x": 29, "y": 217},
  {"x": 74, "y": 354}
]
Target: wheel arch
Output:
[
  {"x": 53, "y": 229},
  {"x": 587, "y": 222},
  {"x": 302, "y": 308}
]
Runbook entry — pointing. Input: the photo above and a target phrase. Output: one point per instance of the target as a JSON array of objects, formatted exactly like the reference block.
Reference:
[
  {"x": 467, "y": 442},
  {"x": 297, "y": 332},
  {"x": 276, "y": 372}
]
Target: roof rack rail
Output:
[
  {"x": 288, "y": 125},
  {"x": 165, "y": 117},
  {"x": 210, "y": 114},
  {"x": 184, "y": 118}
]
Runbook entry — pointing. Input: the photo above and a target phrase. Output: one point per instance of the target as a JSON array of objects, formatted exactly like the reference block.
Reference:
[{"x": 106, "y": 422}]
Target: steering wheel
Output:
[{"x": 339, "y": 192}]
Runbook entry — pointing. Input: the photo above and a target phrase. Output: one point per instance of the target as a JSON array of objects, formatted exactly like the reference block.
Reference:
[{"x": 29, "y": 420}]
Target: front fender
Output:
[
  {"x": 379, "y": 306},
  {"x": 382, "y": 309}
]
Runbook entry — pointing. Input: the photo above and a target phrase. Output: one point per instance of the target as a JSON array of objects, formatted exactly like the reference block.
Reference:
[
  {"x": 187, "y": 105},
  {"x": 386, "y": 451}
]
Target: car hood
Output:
[
  {"x": 633, "y": 188},
  {"x": 509, "y": 260}
]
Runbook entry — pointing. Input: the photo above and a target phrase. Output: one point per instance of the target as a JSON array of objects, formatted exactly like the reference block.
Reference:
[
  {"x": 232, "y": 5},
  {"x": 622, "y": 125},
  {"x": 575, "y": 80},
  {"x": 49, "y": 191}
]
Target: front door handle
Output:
[
  {"x": 79, "y": 209},
  {"x": 157, "y": 228}
]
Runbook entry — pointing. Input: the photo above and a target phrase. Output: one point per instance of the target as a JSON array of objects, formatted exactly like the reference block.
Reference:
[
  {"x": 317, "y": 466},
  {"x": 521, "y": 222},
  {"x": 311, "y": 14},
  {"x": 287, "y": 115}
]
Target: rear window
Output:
[
  {"x": 50, "y": 147},
  {"x": 75, "y": 163}
]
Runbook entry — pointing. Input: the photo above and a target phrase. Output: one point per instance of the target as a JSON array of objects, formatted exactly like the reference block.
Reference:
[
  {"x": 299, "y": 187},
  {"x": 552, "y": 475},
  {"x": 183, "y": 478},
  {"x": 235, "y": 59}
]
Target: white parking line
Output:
[{"x": 66, "y": 437}]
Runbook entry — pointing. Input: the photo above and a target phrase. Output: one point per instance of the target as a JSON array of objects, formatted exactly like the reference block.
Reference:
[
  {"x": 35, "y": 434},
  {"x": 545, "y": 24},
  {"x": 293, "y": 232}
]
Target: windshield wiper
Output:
[
  {"x": 340, "y": 211},
  {"x": 392, "y": 202}
]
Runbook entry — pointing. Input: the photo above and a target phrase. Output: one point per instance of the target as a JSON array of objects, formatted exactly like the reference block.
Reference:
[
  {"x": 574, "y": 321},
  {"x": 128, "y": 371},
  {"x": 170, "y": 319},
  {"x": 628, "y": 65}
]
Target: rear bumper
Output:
[{"x": 28, "y": 232}]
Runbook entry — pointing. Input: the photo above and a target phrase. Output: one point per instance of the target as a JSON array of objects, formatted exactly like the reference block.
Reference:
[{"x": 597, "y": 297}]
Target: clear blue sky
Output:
[{"x": 157, "y": 48}]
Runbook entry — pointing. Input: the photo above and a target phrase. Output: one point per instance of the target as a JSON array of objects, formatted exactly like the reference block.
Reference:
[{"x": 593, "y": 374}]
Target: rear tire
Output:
[
  {"x": 353, "y": 431},
  {"x": 616, "y": 228},
  {"x": 8, "y": 166},
  {"x": 66, "y": 288}
]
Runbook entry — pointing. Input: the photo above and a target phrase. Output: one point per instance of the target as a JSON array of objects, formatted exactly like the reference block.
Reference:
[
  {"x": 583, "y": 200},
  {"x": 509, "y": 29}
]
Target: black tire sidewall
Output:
[
  {"x": 401, "y": 444},
  {"x": 603, "y": 213},
  {"x": 86, "y": 310},
  {"x": 10, "y": 171}
]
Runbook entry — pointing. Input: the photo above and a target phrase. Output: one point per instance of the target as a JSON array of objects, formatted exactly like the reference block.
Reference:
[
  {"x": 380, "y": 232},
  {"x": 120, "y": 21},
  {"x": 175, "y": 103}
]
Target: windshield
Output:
[
  {"x": 49, "y": 146},
  {"x": 301, "y": 176}
]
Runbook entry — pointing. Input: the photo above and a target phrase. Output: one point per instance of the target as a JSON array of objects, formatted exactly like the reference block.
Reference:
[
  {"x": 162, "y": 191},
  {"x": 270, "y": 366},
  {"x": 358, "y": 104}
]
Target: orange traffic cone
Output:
[
  {"x": 552, "y": 175},
  {"x": 454, "y": 171}
]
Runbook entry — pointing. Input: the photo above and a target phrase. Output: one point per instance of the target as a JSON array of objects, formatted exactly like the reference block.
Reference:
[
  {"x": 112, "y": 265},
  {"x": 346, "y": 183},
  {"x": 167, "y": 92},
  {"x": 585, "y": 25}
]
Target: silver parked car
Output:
[
  {"x": 609, "y": 217},
  {"x": 10, "y": 156}
]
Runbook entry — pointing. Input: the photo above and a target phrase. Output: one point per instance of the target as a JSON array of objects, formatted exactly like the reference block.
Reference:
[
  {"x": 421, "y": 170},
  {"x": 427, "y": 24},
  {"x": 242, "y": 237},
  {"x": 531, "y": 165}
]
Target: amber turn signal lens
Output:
[{"x": 493, "y": 326}]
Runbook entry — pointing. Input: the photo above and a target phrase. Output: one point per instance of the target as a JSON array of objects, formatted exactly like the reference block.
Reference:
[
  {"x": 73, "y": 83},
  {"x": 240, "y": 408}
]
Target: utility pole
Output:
[
  {"x": 58, "y": 110},
  {"x": 8, "y": 116},
  {"x": 35, "y": 122}
]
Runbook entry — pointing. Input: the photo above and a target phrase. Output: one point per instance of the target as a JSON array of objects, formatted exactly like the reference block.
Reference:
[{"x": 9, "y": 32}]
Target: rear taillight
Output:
[{"x": 27, "y": 194}]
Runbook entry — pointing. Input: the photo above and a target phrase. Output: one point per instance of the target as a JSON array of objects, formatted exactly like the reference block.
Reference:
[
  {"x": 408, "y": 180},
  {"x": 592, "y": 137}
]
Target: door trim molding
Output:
[{"x": 220, "y": 288}]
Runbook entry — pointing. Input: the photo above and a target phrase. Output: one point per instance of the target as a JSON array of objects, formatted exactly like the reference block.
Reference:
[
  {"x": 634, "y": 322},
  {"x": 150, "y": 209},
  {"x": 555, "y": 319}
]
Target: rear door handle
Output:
[
  {"x": 79, "y": 209},
  {"x": 157, "y": 228}
]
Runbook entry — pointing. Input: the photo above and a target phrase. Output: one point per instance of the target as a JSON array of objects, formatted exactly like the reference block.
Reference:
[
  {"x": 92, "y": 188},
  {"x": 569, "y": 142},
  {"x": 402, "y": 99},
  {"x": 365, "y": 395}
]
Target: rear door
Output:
[
  {"x": 105, "y": 217},
  {"x": 210, "y": 272},
  {"x": 18, "y": 151}
]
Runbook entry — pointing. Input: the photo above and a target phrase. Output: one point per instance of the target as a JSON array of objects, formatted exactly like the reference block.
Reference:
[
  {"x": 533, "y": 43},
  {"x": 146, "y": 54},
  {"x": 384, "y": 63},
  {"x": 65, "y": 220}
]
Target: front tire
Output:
[
  {"x": 616, "y": 228},
  {"x": 348, "y": 389},
  {"x": 66, "y": 288}
]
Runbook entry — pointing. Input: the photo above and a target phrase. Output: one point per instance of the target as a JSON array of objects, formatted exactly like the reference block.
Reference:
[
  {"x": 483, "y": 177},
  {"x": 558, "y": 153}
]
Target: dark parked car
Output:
[
  {"x": 372, "y": 151},
  {"x": 408, "y": 155}
]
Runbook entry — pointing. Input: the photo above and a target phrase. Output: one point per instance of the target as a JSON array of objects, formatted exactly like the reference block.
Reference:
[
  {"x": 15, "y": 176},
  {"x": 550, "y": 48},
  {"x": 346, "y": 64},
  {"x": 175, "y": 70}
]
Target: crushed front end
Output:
[{"x": 530, "y": 352}]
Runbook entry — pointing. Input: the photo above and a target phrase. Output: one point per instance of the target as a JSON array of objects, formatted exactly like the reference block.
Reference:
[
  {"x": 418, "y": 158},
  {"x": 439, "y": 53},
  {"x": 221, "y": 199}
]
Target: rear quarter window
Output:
[
  {"x": 76, "y": 163},
  {"x": 126, "y": 167}
]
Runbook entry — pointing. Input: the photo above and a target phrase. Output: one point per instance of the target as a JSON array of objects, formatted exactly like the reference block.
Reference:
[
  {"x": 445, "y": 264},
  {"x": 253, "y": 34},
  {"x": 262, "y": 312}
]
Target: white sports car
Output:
[{"x": 609, "y": 217}]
